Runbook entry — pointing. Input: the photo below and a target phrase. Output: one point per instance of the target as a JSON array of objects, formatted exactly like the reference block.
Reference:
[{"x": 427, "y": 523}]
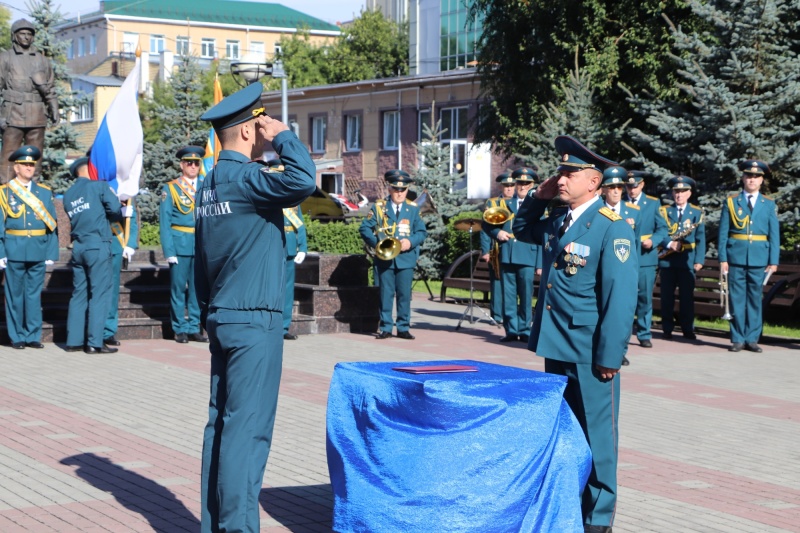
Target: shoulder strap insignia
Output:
[
  {"x": 43, "y": 186},
  {"x": 766, "y": 197},
  {"x": 633, "y": 206},
  {"x": 608, "y": 213},
  {"x": 380, "y": 202},
  {"x": 411, "y": 202},
  {"x": 651, "y": 197},
  {"x": 696, "y": 207},
  {"x": 733, "y": 195}
]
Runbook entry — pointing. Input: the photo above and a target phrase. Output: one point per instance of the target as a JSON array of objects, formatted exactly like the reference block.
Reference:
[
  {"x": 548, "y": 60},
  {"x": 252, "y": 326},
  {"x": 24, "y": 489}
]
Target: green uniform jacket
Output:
[
  {"x": 408, "y": 225},
  {"x": 17, "y": 216},
  {"x": 749, "y": 239},
  {"x": 176, "y": 220}
]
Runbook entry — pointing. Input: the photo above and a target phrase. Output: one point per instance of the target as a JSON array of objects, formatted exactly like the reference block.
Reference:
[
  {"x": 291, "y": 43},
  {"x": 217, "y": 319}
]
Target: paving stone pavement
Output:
[{"x": 708, "y": 441}]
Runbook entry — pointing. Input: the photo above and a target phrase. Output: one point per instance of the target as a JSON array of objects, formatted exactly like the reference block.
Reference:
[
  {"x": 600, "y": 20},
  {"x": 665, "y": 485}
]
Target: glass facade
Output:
[{"x": 457, "y": 37}]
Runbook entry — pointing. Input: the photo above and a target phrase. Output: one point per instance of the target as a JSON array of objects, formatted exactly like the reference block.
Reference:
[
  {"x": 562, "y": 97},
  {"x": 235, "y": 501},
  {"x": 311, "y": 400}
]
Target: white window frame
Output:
[
  {"x": 391, "y": 130},
  {"x": 257, "y": 49},
  {"x": 182, "y": 45},
  {"x": 208, "y": 47},
  {"x": 352, "y": 137},
  {"x": 93, "y": 44},
  {"x": 84, "y": 112},
  {"x": 319, "y": 127},
  {"x": 130, "y": 41},
  {"x": 232, "y": 49},
  {"x": 156, "y": 44}
]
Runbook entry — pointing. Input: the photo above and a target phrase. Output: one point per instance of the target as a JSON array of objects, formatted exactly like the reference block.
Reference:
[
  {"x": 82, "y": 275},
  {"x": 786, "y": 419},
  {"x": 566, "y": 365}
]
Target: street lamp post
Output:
[{"x": 252, "y": 70}]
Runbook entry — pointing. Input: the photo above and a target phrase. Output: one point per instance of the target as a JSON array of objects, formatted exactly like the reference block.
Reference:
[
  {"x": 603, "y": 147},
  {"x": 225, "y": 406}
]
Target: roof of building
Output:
[
  {"x": 215, "y": 12},
  {"x": 101, "y": 81}
]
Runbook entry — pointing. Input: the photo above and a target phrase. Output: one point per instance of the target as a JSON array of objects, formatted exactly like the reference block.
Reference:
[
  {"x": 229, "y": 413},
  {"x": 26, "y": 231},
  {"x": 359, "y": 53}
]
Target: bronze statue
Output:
[{"x": 28, "y": 93}]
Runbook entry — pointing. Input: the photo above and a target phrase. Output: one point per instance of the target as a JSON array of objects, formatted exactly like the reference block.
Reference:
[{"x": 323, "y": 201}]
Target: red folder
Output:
[{"x": 436, "y": 369}]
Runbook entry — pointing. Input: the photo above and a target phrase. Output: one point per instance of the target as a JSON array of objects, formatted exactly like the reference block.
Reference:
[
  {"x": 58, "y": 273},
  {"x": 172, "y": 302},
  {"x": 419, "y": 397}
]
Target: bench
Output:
[
  {"x": 782, "y": 291},
  {"x": 480, "y": 276}
]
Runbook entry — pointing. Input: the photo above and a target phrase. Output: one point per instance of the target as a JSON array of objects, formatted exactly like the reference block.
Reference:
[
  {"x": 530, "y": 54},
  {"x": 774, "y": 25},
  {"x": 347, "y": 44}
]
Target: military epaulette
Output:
[
  {"x": 380, "y": 202},
  {"x": 768, "y": 197},
  {"x": 733, "y": 194},
  {"x": 411, "y": 202},
  {"x": 632, "y": 205},
  {"x": 608, "y": 213},
  {"x": 696, "y": 207},
  {"x": 43, "y": 186},
  {"x": 651, "y": 197}
]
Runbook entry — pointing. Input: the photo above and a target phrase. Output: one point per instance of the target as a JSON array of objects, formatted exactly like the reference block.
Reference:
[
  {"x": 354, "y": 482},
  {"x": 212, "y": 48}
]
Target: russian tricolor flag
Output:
[{"x": 116, "y": 154}]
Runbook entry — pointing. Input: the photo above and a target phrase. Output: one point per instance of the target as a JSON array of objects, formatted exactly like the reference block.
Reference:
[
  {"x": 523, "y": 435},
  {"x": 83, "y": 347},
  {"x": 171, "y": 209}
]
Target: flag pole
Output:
[{"x": 127, "y": 229}]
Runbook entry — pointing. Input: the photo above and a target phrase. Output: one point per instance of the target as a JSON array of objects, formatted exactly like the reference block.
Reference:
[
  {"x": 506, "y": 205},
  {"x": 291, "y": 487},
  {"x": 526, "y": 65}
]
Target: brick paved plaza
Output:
[{"x": 710, "y": 440}]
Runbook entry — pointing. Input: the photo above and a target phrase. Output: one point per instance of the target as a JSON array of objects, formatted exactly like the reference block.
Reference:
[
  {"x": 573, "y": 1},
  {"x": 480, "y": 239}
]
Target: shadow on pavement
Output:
[
  {"x": 141, "y": 495},
  {"x": 299, "y": 509}
]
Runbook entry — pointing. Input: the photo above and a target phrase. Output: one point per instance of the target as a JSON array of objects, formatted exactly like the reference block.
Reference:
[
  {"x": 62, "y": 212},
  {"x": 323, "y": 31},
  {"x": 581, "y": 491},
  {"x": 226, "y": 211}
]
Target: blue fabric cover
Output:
[{"x": 494, "y": 450}]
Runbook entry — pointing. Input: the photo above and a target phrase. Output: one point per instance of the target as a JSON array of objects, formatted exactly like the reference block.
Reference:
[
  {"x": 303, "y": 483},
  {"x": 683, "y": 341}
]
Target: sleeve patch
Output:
[{"x": 622, "y": 249}]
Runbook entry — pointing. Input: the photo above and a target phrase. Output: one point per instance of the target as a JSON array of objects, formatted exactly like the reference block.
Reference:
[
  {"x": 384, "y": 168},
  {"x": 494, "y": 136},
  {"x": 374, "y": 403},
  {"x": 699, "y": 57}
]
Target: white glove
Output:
[
  {"x": 127, "y": 211},
  {"x": 3, "y": 263},
  {"x": 49, "y": 262},
  {"x": 300, "y": 257},
  {"x": 128, "y": 252},
  {"x": 172, "y": 260}
]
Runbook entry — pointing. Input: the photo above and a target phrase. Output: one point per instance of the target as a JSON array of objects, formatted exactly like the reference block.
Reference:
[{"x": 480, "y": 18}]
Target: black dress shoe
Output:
[
  {"x": 289, "y": 337},
  {"x": 405, "y": 335},
  {"x": 596, "y": 529},
  {"x": 523, "y": 338},
  {"x": 645, "y": 343},
  {"x": 690, "y": 335},
  {"x": 69, "y": 348},
  {"x": 181, "y": 338},
  {"x": 509, "y": 338},
  {"x": 111, "y": 341},
  {"x": 753, "y": 347},
  {"x": 104, "y": 349},
  {"x": 736, "y": 347},
  {"x": 625, "y": 361},
  {"x": 198, "y": 337},
  {"x": 34, "y": 344},
  {"x": 18, "y": 345},
  {"x": 384, "y": 335},
  {"x": 667, "y": 335}
]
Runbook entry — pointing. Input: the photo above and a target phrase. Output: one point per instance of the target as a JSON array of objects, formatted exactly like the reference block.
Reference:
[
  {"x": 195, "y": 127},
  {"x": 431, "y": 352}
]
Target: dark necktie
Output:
[
  {"x": 563, "y": 229},
  {"x": 750, "y": 202},
  {"x": 680, "y": 214}
]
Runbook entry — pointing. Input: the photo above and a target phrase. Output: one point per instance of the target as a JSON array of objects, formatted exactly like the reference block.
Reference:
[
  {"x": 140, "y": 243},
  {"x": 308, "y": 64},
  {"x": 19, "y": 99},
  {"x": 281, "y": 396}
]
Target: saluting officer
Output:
[
  {"x": 613, "y": 184},
  {"x": 296, "y": 249},
  {"x": 652, "y": 230},
  {"x": 28, "y": 243},
  {"x": 122, "y": 246},
  {"x": 518, "y": 264},
  {"x": 91, "y": 206},
  {"x": 683, "y": 254},
  {"x": 490, "y": 248},
  {"x": 749, "y": 250},
  {"x": 240, "y": 267},
  {"x": 586, "y": 303},
  {"x": 399, "y": 218},
  {"x": 176, "y": 228}
]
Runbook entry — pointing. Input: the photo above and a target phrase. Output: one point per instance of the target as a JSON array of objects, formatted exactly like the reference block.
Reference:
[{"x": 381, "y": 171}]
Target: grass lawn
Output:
[{"x": 776, "y": 330}]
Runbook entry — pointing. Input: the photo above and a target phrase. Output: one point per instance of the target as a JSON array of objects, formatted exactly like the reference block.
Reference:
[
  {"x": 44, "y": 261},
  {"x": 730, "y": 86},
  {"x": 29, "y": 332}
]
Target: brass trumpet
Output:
[{"x": 496, "y": 215}]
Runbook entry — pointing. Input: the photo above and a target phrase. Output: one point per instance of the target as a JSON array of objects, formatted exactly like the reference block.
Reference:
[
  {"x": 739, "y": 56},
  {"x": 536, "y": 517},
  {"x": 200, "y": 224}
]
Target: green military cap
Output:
[
  {"x": 681, "y": 182},
  {"x": 614, "y": 176},
  {"x": 236, "y": 108},
  {"x": 575, "y": 156},
  {"x": 78, "y": 163},
  {"x": 25, "y": 154},
  {"x": 191, "y": 153},
  {"x": 754, "y": 166},
  {"x": 635, "y": 177},
  {"x": 505, "y": 178},
  {"x": 525, "y": 175},
  {"x": 399, "y": 179}
]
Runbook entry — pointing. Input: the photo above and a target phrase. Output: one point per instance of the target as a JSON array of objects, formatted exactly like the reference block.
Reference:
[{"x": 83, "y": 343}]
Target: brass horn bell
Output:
[
  {"x": 496, "y": 215},
  {"x": 387, "y": 249}
]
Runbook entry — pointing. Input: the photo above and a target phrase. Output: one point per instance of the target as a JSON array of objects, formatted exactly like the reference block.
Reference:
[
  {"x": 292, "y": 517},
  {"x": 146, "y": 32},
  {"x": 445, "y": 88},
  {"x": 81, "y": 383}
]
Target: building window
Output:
[
  {"x": 129, "y": 42},
  {"x": 182, "y": 46},
  {"x": 278, "y": 50},
  {"x": 207, "y": 47},
  {"x": 257, "y": 49},
  {"x": 84, "y": 112},
  {"x": 232, "y": 49},
  {"x": 156, "y": 44},
  {"x": 391, "y": 130},
  {"x": 424, "y": 120},
  {"x": 454, "y": 121},
  {"x": 92, "y": 44},
  {"x": 457, "y": 36},
  {"x": 71, "y": 50},
  {"x": 319, "y": 125},
  {"x": 81, "y": 46},
  {"x": 352, "y": 133}
]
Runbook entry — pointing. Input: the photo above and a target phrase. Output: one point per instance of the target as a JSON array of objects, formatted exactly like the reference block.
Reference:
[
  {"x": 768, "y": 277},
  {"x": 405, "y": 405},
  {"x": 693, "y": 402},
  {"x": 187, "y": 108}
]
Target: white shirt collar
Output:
[{"x": 578, "y": 211}]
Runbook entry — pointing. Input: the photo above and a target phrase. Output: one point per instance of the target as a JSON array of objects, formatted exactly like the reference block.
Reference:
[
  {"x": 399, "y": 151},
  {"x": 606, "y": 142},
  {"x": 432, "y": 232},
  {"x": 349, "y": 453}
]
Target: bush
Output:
[
  {"x": 148, "y": 234},
  {"x": 333, "y": 237}
]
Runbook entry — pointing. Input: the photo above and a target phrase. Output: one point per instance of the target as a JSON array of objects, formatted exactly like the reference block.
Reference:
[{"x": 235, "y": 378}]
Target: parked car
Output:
[{"x": 320, "y": 204}]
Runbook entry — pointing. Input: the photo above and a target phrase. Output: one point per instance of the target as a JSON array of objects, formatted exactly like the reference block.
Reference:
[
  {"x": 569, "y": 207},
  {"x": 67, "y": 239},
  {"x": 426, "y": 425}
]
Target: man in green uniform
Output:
[
  {"x": 490, "y": 248},
  {"x": 749, "y": 250},
  {"x": 296, "y": 249},
  {"x": 614, "y": 178},
  {"x": 90, "y": 206},
  {"x": 652, "y": 230},
  {"x": 399, "y": 218},
  {"x": 240, "y": 288},
  {"x": 123, "y": 246},
  {"x": 586, "y": 302},
  {"x": 176, "y": 228},
  {"x": 682, "y": 254},
  {"x": 28, "y": 243}
]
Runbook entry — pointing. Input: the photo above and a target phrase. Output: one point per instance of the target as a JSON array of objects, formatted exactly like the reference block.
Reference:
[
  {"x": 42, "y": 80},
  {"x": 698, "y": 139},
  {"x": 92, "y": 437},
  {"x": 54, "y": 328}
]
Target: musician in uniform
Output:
[
  {"x": 28, "y": 243},
  {"x": 652, "y": 230},
  {"x": 296, "y": 249},
  {"x": 176, "y": 228},
  {"x": 518, "y": 264},
  {"x": 749, "y": 250},
  {"x": 91, "y": 206},
  {"x": 399, "y": 218},
  {"x": 614, "y": 178},
  {"x": 490, "y": 248},
  {"x": 123, "y": 245},
  {"x": 683, "y": 253},
  {"x": 239, "y": 277},
  {"x": 586, "y": 301}
]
